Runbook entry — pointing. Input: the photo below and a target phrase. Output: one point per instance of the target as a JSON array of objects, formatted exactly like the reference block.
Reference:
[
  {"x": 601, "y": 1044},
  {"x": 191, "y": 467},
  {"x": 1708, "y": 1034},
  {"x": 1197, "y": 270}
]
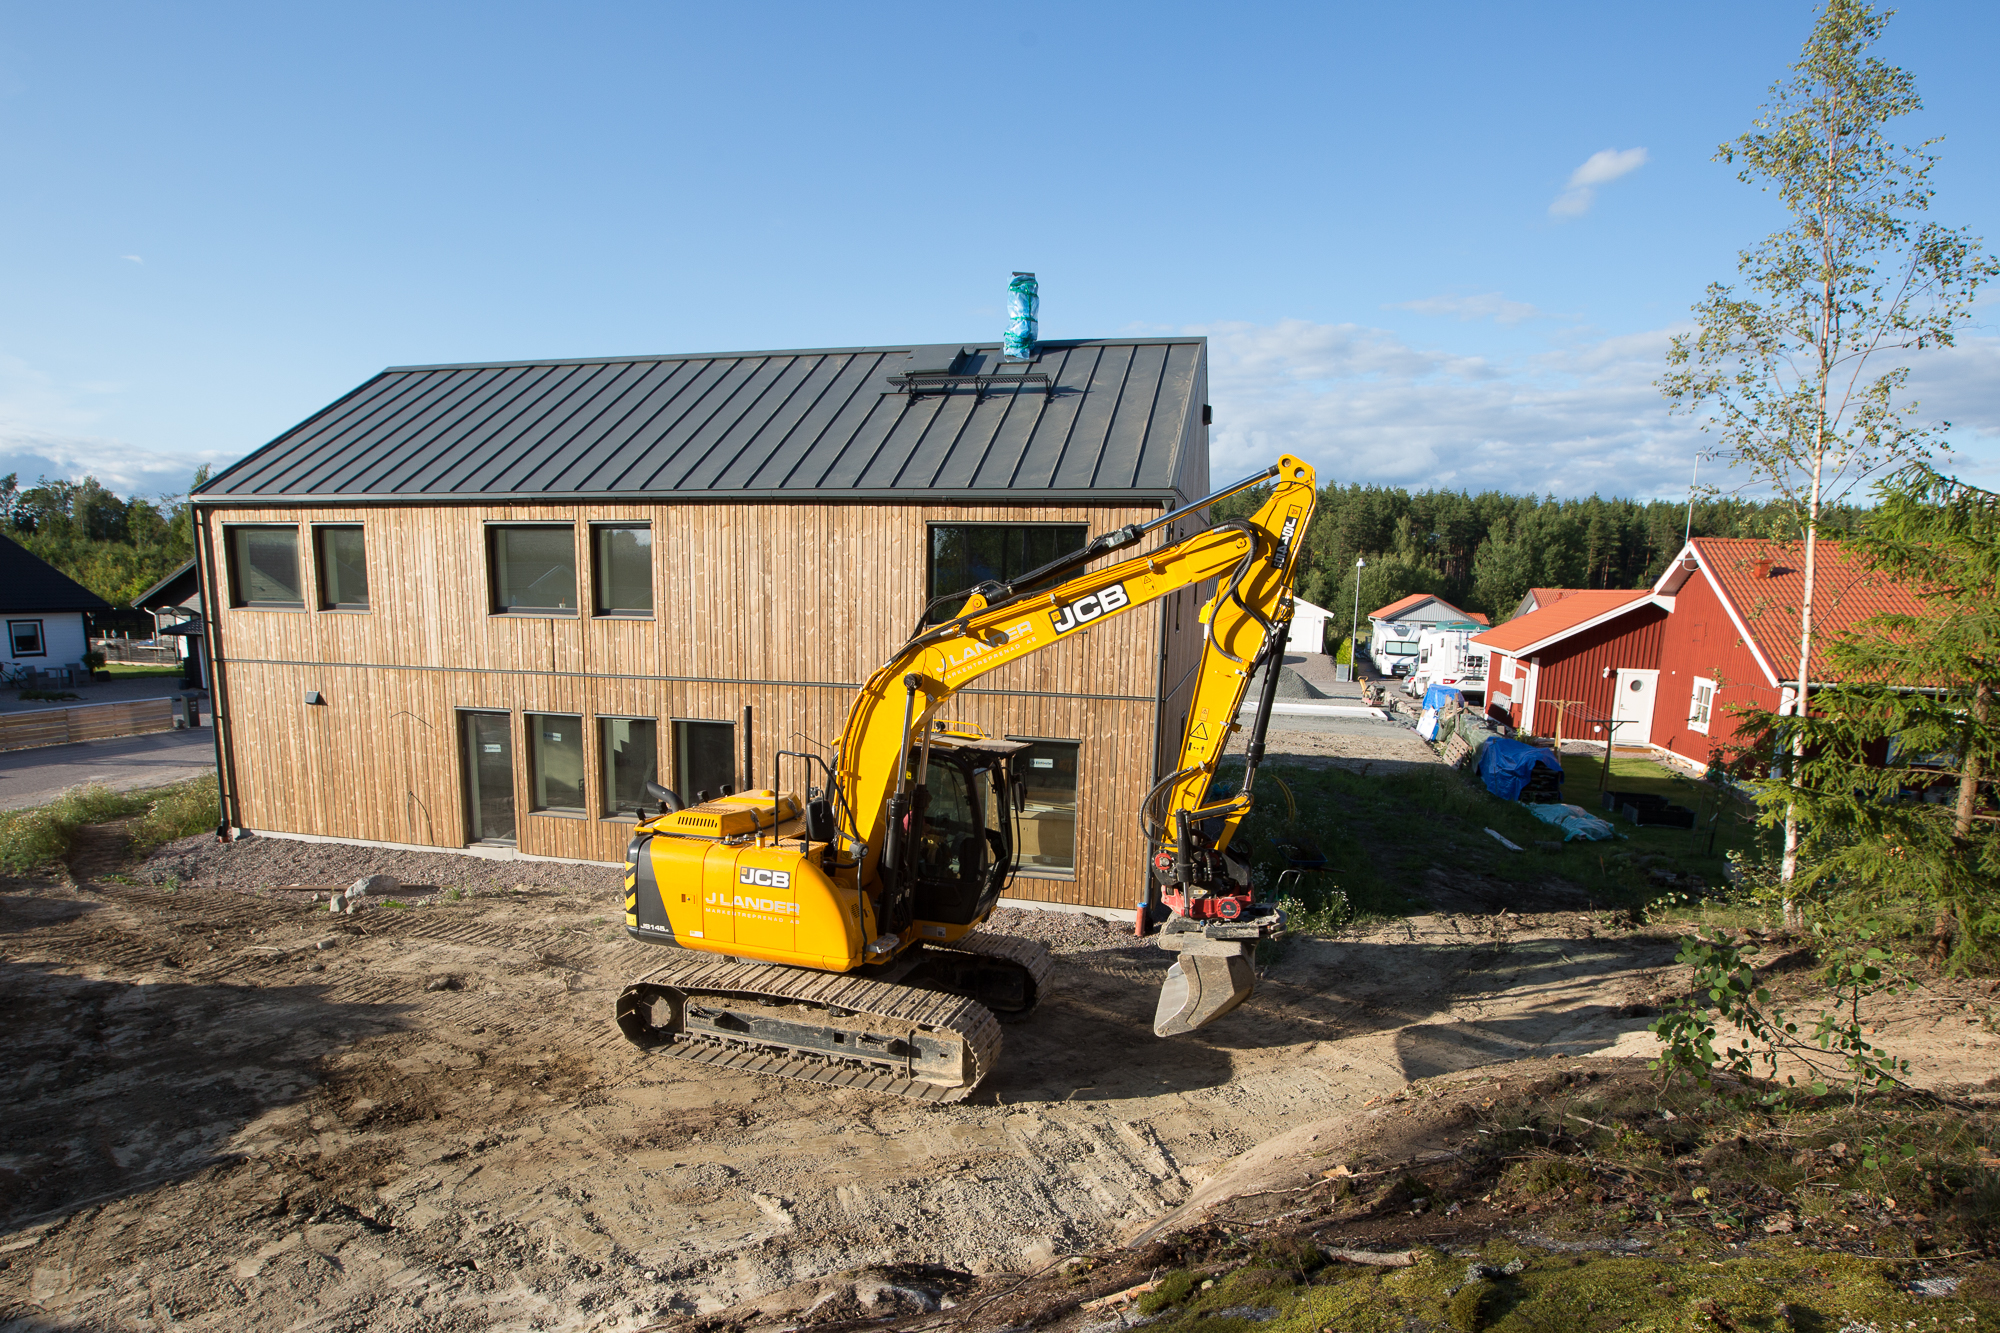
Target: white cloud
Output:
[
  {"x": 133, "y": 258},
  {"x": 1488, "y": 305},
  {"x": 46, "y": 431},
  {"x": 1600, "y": 168},
  {"x": 1582, "y": 416}
]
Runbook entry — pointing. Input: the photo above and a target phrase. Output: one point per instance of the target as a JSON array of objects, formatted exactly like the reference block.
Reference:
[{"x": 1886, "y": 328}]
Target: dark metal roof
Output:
[
  {"x": 177, "y": 588},
  {"x": 30, "y": 583},
  {"x": 1110, "y": 421}
]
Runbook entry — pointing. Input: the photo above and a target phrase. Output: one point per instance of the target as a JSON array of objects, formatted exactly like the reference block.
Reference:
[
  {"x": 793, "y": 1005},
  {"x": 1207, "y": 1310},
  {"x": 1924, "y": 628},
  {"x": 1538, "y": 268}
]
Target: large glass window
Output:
[
  {"x": 343, "y": 567},
  {"x": 533, "y": 567},
  {"x": 623, "y": 574},
  {"x": 555, "y": 758},
  {"x": 964, "y": 555},
  {"x": 1048, "y": 819},
  {"x": 264, "y": 566},
  {"x": 704, "y": 758},
  {"x": 25, "y": 639},
  {"x": 487, "y": 752},
  {"x": 630, "y": 747}
]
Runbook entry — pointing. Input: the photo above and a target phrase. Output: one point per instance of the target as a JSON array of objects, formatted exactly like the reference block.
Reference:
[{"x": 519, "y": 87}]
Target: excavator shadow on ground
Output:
[{"x": 1451, "y": 1006}]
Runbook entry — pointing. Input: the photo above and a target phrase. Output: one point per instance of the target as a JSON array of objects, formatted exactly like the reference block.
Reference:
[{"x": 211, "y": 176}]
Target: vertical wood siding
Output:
[
  {"x": 781, "y": 607},
  {"x": 1574, "y": 669},
  {"x": 1703, "y": 641}
]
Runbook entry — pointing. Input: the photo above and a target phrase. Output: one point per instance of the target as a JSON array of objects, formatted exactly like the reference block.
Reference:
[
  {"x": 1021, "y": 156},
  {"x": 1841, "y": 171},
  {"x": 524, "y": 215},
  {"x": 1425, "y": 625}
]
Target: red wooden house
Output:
[{"x": 1670, "y": 666}]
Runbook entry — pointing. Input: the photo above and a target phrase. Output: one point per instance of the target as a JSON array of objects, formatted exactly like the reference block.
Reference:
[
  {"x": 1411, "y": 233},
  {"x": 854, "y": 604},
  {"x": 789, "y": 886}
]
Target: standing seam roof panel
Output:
[{"x": 808, "y": 421}]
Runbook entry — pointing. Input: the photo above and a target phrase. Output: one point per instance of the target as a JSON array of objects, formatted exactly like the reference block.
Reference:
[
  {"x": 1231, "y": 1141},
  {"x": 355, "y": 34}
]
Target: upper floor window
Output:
[
  {"x": 343, "y": 567},
  {"x": 622, "y": 569},
  {"x": 964, "y": 555},
  {"x": 533, "y": 568},
  {"x": 1701, "y": 705},
  {"x": 264, "y": 566}
]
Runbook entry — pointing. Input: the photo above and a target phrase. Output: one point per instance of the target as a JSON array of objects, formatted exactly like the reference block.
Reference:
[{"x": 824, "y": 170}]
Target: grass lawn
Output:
[
  {"x": 120, "y": 670},
  {"x": 1383, "y": 834}
]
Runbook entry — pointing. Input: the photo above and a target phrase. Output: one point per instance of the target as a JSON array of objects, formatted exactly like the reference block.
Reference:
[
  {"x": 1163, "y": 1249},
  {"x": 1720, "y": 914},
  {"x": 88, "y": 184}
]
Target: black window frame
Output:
[
  {"x": 1062, "y": 546},
  {"x": 607, "y": 789},
  {"x": 597, "y": 580},
  {"x": 41, "y": 636},
  {"x": 239, "y": 598},
  {"x": 320, "y": 562},
  {"x": 1072, "y": 870},
  {"x": 683, "y": 785},
  {"x": 490, "y": 537},
  {"x": 532, "y": 736}
]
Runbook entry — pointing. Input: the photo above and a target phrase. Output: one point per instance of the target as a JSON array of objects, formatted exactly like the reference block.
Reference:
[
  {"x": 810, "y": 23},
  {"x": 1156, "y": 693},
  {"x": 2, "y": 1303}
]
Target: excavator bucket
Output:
[{"x": 1201, "y": 987}]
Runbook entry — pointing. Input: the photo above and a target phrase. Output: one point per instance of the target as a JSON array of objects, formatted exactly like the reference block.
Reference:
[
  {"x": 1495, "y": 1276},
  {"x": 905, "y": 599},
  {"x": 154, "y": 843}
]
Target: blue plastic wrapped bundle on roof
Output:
[
  {"x": 1024, "y": 303},
  {"x": 1504, "y": 766},
  {"x": 1437, "y": 696}
]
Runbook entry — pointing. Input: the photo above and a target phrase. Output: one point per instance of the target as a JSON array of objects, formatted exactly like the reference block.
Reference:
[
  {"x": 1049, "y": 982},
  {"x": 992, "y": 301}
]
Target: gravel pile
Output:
[
  {"x": 284, "y": 866},
  {"x": 255, "y": 864},
  {"x": 1062, "y": 932}
]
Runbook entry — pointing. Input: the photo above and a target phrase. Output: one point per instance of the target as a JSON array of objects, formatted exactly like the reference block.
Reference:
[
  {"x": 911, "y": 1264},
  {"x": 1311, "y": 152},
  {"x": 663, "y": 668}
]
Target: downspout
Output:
[{"x": 211, "y": 631}]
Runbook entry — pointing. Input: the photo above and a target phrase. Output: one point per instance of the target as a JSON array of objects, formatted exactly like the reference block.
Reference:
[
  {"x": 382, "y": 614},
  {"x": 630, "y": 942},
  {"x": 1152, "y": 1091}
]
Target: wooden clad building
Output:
[{"x": 478, "y": 606}]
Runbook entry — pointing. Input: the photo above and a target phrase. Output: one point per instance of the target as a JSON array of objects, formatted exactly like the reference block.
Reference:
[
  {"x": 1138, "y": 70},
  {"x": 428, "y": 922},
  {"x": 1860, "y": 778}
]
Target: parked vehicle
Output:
[
  {"x": 1445, "y": 655},
  {"x": 1393, "y": 652}
]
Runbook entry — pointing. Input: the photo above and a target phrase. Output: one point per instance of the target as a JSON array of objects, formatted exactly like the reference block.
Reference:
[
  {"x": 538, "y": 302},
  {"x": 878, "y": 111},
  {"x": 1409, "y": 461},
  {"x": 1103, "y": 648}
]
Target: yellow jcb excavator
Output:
[{"x": 836, "y": 938}]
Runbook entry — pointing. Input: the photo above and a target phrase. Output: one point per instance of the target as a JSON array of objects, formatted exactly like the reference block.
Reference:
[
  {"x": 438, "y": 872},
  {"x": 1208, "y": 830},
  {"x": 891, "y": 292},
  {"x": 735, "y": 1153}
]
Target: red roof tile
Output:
[
  {"x": 1846, "y": 592},
  {"x": 1546, "y": 597},
  {"x": 1569, "y": 614}
]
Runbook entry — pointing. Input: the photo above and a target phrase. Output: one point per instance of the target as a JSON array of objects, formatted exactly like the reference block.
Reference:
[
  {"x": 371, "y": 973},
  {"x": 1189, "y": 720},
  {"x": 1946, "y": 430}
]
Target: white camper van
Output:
[
  {"x": 1393, "y": 649},
  {"x": 1446, "y": 656}
]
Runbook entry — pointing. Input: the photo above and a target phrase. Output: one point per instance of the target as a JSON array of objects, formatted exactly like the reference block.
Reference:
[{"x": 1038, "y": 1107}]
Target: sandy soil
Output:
[{"x": 227, "y": 1109}]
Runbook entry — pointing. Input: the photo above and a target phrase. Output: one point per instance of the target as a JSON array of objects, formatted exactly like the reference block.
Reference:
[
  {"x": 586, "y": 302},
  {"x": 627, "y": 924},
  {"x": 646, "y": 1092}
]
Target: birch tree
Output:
[{"x": 1800, "y": 370}]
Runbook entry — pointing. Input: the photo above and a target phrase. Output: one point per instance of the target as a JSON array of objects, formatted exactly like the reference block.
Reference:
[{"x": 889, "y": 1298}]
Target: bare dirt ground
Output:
[{"x": 228, "y": 1109}]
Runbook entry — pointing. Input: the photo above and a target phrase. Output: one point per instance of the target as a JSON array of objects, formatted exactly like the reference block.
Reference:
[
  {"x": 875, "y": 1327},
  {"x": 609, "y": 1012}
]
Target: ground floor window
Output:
[
  {"x": 704, "y": 758},
  {"x": 1048, "y": 821},
  {"x": 25, "y": 638},
  {"x": 555, "y": 760},
  {"x": 630, "y": 747},
  {"x": 487, "y": 752}
]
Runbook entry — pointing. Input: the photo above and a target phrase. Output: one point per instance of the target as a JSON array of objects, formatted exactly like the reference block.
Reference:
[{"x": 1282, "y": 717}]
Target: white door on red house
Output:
[{"x": 1632, "y": 709}]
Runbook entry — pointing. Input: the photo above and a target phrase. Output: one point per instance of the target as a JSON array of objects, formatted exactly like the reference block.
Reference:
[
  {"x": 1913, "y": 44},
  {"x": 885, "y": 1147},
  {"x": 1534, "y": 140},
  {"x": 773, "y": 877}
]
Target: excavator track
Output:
[
  {"x": 1007, "y": 974},
  {"x": 821, "y": 1027}
]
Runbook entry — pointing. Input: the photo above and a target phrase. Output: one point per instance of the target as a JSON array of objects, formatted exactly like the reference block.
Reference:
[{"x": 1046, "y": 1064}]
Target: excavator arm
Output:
[{"x": 1204, "y": 890}]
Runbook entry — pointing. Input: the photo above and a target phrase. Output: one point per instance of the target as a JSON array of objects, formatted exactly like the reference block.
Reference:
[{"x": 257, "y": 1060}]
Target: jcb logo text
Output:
[
  {"x": 1086, "y": 609},
  {"x": 765, "y": 879}
]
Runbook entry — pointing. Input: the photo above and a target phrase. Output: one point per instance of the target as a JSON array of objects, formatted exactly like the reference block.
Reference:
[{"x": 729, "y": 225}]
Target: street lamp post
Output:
[{"x": 1354, "y": 626}]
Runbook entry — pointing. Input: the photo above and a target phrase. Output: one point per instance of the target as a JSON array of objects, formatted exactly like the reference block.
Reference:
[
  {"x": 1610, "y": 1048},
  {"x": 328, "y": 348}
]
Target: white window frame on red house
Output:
[{"x": 1700, "y": 707}]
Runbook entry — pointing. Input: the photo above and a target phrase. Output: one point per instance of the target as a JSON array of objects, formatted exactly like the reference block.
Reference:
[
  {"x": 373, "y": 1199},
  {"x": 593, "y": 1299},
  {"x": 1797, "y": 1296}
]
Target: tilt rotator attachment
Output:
[{"x": 1214, "y": 925}]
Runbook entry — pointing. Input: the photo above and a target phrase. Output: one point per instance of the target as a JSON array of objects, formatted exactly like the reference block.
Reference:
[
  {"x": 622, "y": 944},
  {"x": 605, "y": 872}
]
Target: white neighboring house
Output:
[
  {"x": 1393, "y": 630},
  {"x": 44, "y": 611},
  {"x": 1308, "y": 627}
]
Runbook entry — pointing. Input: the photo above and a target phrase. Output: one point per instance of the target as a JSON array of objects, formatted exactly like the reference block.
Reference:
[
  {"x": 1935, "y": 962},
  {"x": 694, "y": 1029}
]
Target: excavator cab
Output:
[{"x": 962, "y": 841}]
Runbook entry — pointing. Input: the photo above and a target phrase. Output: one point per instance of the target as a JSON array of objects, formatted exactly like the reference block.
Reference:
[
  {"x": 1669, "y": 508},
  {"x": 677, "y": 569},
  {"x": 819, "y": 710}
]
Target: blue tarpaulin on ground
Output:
[
  {"x": 1437, "y": 696},
  {"x": 1504, "y": 766}
]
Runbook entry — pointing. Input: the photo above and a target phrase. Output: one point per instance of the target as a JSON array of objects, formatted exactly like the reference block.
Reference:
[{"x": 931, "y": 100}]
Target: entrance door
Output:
[
  {"x": 1632, "y": 710},
  {"x": 488, "y": 756}
]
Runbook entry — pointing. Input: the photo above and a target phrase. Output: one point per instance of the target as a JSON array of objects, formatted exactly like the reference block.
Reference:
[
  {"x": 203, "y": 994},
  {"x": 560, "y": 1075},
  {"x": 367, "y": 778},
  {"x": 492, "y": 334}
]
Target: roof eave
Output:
[{"x": 1098, "y": 496}]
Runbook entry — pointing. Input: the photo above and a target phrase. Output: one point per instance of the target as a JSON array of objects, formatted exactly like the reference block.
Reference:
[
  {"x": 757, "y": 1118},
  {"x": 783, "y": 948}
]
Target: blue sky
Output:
[{"x": 222, "y": 217}]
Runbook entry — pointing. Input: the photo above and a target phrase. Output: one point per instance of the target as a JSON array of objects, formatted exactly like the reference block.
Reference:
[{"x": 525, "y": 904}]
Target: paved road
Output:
[{"x": 34, "y": 777}]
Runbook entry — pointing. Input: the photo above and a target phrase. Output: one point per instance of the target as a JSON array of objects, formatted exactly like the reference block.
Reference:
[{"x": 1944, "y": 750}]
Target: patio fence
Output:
[{"x": 91, "y": 722}]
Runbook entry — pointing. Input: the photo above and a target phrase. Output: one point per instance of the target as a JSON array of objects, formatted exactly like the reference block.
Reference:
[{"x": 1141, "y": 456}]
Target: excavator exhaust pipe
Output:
[{"x": 1210, "y": 978}]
